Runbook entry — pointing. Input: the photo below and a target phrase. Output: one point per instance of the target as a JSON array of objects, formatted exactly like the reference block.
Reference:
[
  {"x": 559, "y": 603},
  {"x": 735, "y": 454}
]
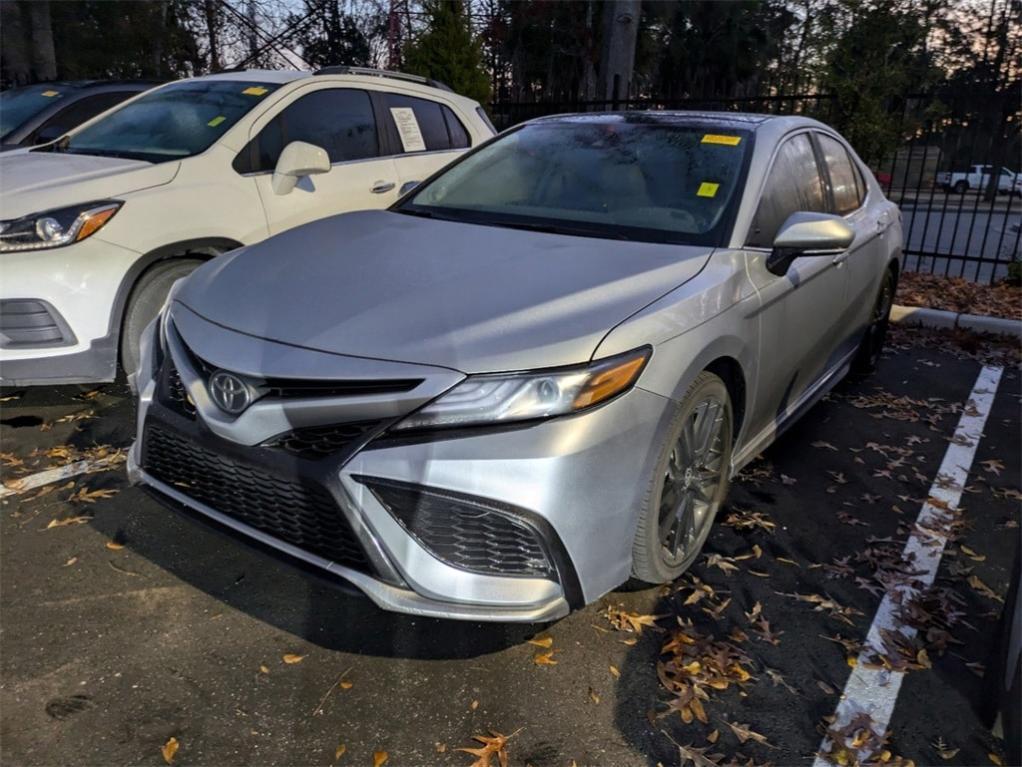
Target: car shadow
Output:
[{"x": 285, "y": 593}]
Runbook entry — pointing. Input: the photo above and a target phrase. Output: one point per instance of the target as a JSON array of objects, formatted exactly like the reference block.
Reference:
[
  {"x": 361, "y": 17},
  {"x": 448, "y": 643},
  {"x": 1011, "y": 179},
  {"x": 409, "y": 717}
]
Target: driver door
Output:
[
  {"x": 341, "y": 121},
  {"x": 801, "y": 312}
]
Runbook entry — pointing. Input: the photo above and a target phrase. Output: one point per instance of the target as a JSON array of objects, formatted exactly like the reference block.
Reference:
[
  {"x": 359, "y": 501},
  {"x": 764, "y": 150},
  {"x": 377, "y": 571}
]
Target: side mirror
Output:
[
  {"x": 298, "y": 160},
  {"x": 808, "y": 234}
]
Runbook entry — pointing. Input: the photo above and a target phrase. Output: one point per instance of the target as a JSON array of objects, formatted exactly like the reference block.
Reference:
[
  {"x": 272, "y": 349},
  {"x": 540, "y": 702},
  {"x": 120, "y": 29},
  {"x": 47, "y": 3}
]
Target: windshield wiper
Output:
[{"x": 573, "y": 231}]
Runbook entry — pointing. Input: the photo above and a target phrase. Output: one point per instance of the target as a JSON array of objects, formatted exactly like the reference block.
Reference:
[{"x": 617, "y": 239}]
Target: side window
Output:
[
  {"x": 340, "y": 120},
  {"x": 429, "y": 117},
  {"x": 75, "y": 114},
  {"x": 794, "y": 185},
  {"x": 457, "y": 132},
  {"x": 843, "y": 179}
]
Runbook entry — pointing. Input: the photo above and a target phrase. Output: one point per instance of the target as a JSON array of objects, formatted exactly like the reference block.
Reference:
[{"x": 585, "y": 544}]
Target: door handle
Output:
[{"x": 382, "y": 186}]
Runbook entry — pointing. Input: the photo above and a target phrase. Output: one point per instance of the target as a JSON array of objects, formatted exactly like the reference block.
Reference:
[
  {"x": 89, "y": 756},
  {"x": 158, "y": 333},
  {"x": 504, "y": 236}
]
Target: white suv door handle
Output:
[{"x": 382, "y": 186}]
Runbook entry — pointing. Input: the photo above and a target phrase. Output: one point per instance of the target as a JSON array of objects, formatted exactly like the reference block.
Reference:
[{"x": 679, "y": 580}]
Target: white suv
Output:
[{"x": 97, "y": 225}]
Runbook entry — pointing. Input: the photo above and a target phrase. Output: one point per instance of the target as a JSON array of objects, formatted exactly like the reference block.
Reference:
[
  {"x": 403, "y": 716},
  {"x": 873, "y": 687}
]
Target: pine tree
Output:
[{"x": 447, "y": 52}]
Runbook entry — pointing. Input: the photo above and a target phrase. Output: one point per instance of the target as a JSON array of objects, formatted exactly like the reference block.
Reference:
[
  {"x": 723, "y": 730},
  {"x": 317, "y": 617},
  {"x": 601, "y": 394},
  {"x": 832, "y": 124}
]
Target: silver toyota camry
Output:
[{"x": 533, "y": 377}]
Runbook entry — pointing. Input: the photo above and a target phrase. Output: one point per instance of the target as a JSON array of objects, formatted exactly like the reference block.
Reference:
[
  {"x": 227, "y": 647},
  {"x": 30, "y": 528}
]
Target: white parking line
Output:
[
  {"x": 90, "y": 466},
  {"x": 875, "y": 691}
]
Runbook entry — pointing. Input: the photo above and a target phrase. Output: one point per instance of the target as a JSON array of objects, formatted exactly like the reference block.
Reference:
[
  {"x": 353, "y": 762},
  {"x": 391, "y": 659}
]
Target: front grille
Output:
[
  {"x": 30, "y": 322},
  {"x": 298, "y": 512},
  {"x": 172, "y": 390},
  {"x": 320, "y": 441},
  {"x": 463, "y": 531},
  {"x": 291, "y": 388}
]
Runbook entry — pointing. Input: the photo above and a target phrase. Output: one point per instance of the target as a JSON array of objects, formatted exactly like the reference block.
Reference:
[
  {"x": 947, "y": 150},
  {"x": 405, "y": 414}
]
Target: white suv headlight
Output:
[
  {"x": 54, "y": 228},
  {"x": 505, "y": 397}
]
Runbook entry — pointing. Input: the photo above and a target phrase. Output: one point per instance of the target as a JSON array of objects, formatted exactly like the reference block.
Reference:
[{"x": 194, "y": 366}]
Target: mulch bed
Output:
[{"x": 958, "y": 295}]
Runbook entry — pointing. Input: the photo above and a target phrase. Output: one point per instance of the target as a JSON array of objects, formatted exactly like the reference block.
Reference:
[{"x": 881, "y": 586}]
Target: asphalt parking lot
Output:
[{"x": 125, "y": 625}]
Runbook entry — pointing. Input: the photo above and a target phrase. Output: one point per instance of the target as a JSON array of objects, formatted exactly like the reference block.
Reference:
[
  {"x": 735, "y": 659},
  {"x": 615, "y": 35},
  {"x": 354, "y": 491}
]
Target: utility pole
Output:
[
  {"x": 397, "y": 23},
  {"x": 620, "y": 32}
]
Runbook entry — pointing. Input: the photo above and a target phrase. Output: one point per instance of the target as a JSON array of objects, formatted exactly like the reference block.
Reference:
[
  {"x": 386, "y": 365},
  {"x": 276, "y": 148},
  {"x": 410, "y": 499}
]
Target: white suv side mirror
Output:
[{"x": 299, "y": 159}]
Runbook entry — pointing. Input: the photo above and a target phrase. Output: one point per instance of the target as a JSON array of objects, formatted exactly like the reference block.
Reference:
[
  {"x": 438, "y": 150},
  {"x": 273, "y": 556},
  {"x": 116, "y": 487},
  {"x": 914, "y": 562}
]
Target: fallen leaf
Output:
[
  {"x": 84, "y": 495},
  {"x": 473, "y": 705},
  {"x": 614, "y": 672},
  {"x": 67, "y": 521},
  {"x": 264, "y": 670},
  {"x": 114, "y": 545},
  {"x": 995, "y": 759},
  {"x": 169, "y": 749},
  {"x": 544, "y": 658},
  {"x": 380, "y": 758},
  {"x": 982, "y": 588},
  {"x": 344, "y": 684},
  {"x": 545, "y": 642},
  {"x": 291, "y": 658},
  {"x": 71, "y": 561},
  {"x": 743, "y": 732},
  {"x": 593, "y": 695},
  {"x": 822, "y": 444},
  {"x": 339, "y": 751},
  {"x": 493, "y": 744}
]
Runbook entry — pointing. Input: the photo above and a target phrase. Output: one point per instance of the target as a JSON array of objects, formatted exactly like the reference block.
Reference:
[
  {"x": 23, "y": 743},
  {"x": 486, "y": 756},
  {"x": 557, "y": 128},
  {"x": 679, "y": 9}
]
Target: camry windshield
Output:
[
  {"x": 178, "y": 120},
  {"x": 621, "y": 177},
  {"x": 21, "y": 104}
]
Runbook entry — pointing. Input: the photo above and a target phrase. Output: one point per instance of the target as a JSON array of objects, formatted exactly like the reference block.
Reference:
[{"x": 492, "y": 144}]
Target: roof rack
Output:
[{"x": 346, "y": 70}]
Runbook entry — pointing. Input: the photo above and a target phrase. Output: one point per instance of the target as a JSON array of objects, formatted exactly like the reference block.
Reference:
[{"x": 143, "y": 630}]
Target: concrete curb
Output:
[{"x": 939, "y": 318}]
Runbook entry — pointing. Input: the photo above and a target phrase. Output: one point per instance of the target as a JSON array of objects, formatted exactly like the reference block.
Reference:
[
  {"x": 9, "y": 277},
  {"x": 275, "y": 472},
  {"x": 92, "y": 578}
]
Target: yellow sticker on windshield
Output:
[
  {"x": 255, "y": 90},
  {"x": 713, "y": 138},
  {"x": 707, "y": 189},
  {"x": 216, "y": 121},
  {"x": 50, "y": 94}
]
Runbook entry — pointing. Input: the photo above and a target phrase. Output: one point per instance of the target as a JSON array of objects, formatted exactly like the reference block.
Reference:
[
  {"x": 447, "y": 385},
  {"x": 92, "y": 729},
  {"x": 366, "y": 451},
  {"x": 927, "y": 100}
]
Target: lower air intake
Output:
[{"x": 464, "y": 531}]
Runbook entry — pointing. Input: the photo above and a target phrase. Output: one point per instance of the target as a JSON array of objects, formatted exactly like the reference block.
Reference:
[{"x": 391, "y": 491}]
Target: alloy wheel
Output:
[{"x": 692, "y": 482}]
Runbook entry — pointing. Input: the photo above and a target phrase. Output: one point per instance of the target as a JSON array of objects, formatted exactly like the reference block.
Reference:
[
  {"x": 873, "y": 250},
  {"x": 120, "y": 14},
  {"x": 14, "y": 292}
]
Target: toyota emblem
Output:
[{"x": 229, "y": 392}]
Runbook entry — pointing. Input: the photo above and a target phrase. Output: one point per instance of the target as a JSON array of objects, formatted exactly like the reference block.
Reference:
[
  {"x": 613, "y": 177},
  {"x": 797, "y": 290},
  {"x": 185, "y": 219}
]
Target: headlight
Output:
[
  {"x": 501, "y": 398},
  {"x": 54, "y": 228}
]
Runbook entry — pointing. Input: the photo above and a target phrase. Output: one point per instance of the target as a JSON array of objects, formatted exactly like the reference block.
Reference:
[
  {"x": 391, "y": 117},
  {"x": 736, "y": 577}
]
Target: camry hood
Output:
[
  {"x": 468, "y": 297},
  {"x": 34, "y": 181}
]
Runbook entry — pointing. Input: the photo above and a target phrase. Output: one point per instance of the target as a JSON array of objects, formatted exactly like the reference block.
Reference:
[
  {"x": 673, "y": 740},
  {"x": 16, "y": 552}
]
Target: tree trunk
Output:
[
  {"x": 14, "y": 62},
  {"x": 44, "y": 58},
  {"x": 212, "y": 32}
]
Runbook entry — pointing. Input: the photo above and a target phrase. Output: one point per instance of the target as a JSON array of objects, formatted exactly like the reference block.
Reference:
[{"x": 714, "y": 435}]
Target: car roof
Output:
[
  {"x": 82, "y": 84},
  {"x": 733, "y": 120}
]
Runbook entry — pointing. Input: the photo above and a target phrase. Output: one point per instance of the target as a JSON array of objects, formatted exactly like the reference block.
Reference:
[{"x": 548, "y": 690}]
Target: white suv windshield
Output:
[
  {"x": 627, "y": 177},
  {"x": 178, "y": 120}
]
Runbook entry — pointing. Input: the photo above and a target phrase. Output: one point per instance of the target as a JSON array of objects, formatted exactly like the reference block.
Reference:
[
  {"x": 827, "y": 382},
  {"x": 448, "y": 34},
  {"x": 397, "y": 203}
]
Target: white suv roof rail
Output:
[{"x": 346, "y": 70}]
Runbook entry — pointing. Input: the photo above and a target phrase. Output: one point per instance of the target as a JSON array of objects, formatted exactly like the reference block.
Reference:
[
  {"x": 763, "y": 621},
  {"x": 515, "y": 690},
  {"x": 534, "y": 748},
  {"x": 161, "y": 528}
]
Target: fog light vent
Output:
[{"x": 466, "y": 532}]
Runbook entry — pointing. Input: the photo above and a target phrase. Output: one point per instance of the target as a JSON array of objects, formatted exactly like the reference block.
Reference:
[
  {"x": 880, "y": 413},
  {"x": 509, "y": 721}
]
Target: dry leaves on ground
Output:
[
  {"x": 955, "y": 294},
  {"x": 169, "y": 749}
]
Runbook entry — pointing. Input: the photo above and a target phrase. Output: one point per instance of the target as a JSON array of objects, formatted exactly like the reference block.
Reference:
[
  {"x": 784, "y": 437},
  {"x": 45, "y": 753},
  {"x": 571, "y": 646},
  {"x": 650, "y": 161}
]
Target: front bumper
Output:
[
  {"x": 79, "y": 285},
  {"x": 576, "y": 482}
]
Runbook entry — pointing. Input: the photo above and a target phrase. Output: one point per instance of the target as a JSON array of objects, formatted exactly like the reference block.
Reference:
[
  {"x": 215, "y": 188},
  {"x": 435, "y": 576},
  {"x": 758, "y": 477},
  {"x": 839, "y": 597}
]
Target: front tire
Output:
[
  {"x": 689, "y": 483},
  {"x": 867, "y": 358},
  {"x": 147, "y": 298},
  {"x": 961, "y": 187}
]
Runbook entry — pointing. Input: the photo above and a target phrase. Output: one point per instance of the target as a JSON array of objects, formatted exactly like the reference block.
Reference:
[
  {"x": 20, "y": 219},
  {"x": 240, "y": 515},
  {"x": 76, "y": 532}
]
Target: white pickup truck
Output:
[{"x": 978, "y": 177}]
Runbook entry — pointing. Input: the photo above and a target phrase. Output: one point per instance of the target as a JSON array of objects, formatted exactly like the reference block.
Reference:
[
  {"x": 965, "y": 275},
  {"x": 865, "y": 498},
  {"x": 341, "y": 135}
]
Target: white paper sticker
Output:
[{"x": 408, "y": 129}]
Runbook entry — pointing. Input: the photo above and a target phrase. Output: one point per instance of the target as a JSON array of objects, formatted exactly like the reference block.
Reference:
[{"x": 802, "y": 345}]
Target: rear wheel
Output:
[
  {"x": 961, "y": 187},
  {"x": 146, "y": 299},
  {"x": 689, "y": 484},
  {"x": 872, "y": 345}
]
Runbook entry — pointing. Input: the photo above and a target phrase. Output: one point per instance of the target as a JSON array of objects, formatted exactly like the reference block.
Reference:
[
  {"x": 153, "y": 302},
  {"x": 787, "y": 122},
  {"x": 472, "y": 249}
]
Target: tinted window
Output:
[
  {"x": 427, "y": 115},
  {"x": 75, "y": 114},
  {"x": 175, "y": 121},
  {"x": 340, "y": 120},
  {"x": 602, "y": 177},
  {"x": 457, "y": 132},
  {"x": 794, "y": 185},
  {"x": 843, "y": 179}
]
